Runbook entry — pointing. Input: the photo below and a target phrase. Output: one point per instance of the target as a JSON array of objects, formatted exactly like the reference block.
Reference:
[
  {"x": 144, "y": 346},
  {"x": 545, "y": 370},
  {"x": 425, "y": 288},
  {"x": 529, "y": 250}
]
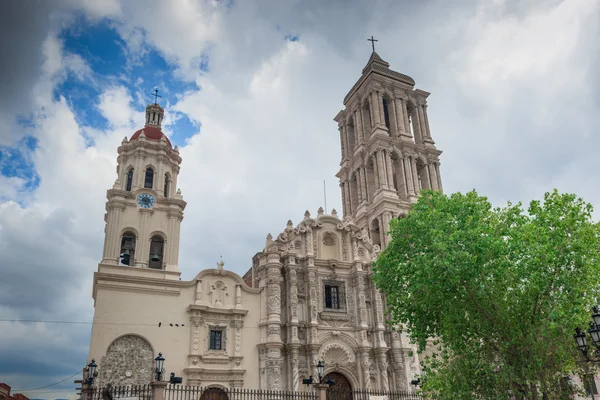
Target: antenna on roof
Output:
[{"x": 325, "y": 196}]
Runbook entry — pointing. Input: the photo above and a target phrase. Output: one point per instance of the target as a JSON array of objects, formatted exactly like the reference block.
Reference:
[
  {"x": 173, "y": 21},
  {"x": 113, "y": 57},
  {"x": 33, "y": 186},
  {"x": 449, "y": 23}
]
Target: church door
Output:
[
  {"x": 214, "y": 393},
  {"x": 341, "y": 390}
]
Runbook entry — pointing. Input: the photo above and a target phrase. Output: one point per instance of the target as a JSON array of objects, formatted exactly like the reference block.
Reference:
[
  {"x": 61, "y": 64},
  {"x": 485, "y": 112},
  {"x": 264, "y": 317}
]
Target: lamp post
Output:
[
  {"x": 160, "y": 361},
  {"x": 320, "y": 368},
  {"x": 91, "y": 373},
  {"x": 591, "y": 354}
]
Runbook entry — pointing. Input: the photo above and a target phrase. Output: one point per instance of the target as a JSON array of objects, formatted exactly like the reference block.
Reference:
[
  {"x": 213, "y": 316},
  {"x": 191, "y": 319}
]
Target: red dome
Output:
[{"x": 151, "y": 133}]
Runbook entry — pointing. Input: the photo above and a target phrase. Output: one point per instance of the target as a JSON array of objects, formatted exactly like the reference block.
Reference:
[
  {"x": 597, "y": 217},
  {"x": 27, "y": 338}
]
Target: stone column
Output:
[
  {"x": 159, "y": 177},
  {"x": 197, "y": 328},
  {"x": 390, "y": 171},
  {"x": 366, "y": 181},
  {"x": 365, "y": 362},
  {"x": 432, "y": 176},
  {"x": 383, "y": 371},
  {"x": 363, "y": 179},
  {"x": 439, "y": 177},
  {"x": 358, "y": 186},
  {"x": 112, "y": 237},
  {"x": 143, "y": 243},
  {"x": 399, "y": 116},
  {"x": 348, "y": 198},
  {"x": 409, "y": 176},
  {"x": 293, "y": 367},
  {"x": 387, "y": 217},
  {"x": 375, "y": 171},
  {"x": 138, "y": 174},
  {"x": 274, "y": 342},
  {"x": 415, "y": 175},
  {"x": 375, "y": 115},
  {"x": 363, "y": 318},
  {"x": 343, "y": 143},
  {"x": 398, "y": 363},
  {"x": 426, "y": 121},
  {"x": 405, "y": 116},
  {"x": 359, "y": 126},
  {"x": 424, "y": 133},
  {"x": 394, "y": 130},
  {"x": 401, "y": 173},
  {"x": 417, "y": 126},
  {"x": 379, "y": 98},
  {"x": 343, "y": 190},
  {"x": 381, "y": 232},
  {"x": 381, "y": 170}
]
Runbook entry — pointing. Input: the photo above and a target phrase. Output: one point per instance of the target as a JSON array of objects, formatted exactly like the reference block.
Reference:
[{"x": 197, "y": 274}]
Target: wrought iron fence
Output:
[
  {"x": 363, "y": 394},
  {"x": 133, "y": 392},
  {"x": 175, "y": 392}
]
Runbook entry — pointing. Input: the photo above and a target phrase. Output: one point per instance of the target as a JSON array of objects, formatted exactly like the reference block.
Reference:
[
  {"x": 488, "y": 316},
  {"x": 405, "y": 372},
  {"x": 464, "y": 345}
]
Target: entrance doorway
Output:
[
  {"x": 214, "y": 393},
  {"x": 341, "y": 390}
]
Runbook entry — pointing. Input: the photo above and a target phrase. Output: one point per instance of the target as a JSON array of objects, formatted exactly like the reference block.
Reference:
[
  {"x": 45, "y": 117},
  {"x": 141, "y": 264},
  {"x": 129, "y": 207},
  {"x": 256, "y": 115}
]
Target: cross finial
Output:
[
  {"x": 373, "y": 40},
  {"x": 156, "y": 95}
]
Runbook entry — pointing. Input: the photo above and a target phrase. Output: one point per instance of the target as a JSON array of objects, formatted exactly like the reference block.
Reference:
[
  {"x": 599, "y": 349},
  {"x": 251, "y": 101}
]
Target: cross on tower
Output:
[
  {"x": 373, "y": 40},
  {"x": 156, "y": 95}
]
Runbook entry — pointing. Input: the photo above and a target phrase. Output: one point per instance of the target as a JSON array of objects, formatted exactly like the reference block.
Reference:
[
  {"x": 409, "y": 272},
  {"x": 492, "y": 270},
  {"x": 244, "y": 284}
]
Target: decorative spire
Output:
[
  {"x": 334, "y": 213},
  {"x": 154, "y": 112},
  {"x": 320, "y": 211},
  {"x": 307, "y": 215},
  {"x": 220, "y": 264}
]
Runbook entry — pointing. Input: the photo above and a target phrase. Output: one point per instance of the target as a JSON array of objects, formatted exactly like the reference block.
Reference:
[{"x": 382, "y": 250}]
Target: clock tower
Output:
[{"x": 143, "y": 209}]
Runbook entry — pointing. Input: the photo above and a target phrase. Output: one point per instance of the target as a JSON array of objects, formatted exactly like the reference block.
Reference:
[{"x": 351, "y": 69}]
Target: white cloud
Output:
[{"x": 512, "y": 108}]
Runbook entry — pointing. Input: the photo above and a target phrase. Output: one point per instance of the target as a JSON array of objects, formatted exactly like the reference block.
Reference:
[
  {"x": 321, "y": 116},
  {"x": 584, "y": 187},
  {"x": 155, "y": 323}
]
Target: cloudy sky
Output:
[{"x": 250, "y": 89}]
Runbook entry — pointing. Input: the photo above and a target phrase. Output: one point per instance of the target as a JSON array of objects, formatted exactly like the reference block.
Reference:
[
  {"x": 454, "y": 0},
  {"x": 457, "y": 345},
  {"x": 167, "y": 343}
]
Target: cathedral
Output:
[{"x": 307, "y": 298}]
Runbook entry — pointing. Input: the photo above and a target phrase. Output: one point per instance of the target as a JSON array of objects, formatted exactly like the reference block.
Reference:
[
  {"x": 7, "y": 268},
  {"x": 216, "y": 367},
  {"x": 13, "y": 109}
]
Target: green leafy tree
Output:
[{"x": 499, "y": 289}]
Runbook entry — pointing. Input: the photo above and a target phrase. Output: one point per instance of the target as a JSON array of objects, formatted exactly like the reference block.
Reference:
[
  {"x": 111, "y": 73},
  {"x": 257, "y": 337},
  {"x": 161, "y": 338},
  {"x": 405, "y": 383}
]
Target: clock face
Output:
[{"x": 145, "y": 200}]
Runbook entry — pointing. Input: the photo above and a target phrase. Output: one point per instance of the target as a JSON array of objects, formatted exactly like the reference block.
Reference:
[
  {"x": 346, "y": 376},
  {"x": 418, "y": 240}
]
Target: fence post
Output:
[
  {"x": 321, "y": 390},
  {"x": 158, "y": 389},
  {"x": 86, "y": 392}
]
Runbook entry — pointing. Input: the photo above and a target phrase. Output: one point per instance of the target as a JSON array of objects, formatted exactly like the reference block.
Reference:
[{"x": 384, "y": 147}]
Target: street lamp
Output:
[
  {"x": 320, "y": 368},
  {"x": 91, "y": 373},
  {"x": 160, "y": 361},
  {"x": 584, "y": 347}
]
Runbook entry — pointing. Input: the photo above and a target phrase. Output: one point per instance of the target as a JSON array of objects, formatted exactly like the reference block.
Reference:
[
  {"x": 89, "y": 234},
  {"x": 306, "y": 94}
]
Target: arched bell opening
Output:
[
  {"x": 127, "y": 252},
  {"x": 149, "y": 178},
  {"x": 386, "y": 112},
  {"x": 129, "y": 180},
  {"x": 157, "y": 247}
]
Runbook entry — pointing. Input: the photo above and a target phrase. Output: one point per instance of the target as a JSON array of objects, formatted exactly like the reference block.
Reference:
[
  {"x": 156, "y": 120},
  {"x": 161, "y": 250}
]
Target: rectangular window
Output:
[
  {"x": 590, "y": 384},
  {"x": 216, "y": 339},
  {"x": 332, "y": 297}
]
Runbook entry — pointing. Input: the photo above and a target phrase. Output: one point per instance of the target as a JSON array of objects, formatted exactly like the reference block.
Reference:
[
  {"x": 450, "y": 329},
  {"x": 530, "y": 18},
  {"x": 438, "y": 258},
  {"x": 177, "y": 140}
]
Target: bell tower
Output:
[
  {"x": 143, "y": 209},
  {"x": 388, "y": 154}
]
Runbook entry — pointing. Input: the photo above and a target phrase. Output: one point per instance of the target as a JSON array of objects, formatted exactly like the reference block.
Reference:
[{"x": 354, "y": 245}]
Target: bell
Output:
[
  {"x": 125, "y": 258},
  {"x": 154, "y": 257}
]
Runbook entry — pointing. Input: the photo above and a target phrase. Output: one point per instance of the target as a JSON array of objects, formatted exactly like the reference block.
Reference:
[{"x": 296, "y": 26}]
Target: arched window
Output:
[
  {"x": 167, "y": 186},
  {"x": 386, "y": 113},
  {"x": 129, "y": 180},
  {"x": 149, "y": 178},
  {"x": 157, "y": 247},
  {"x": 127, "y": 253}
]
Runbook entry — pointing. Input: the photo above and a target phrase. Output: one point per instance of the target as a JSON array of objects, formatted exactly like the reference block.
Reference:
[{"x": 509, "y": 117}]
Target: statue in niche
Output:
[{"x": 218, "y": 293}]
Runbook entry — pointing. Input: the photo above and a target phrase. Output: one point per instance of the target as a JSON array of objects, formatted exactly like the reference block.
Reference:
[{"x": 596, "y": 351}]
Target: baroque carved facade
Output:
[{"x": 308, "y": 295}]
